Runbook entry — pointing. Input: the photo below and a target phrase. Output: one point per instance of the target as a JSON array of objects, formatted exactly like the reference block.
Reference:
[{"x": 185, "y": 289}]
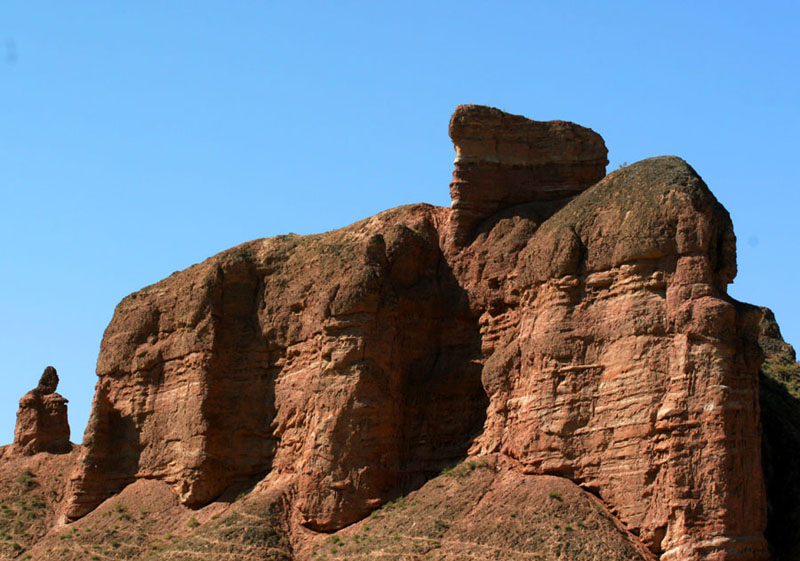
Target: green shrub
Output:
[
  {"x": 27, "y": 479},
  {"x": 464, "y": 469},
  {"x": 37, "y": 503}
]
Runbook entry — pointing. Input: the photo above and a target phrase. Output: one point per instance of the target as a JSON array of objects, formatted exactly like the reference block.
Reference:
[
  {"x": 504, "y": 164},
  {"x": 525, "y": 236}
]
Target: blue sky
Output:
[{"x": 137, "y": 139}]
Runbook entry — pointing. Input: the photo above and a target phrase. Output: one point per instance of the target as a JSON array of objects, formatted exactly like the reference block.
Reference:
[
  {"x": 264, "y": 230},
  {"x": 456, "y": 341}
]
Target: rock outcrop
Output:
[
  {"x": 560, "y": 322},
  {"x": 42, "y": 424},
  {"x": 347, "y": 362},
  {"x": 503, "y": 160},
  {"x": 616, "y": 359}
]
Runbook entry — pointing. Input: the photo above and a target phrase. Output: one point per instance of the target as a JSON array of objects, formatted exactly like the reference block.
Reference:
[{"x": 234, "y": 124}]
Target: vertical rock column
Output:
[
  {"x": 504, "y": 160},
  {"x": 42, "y": 424}
]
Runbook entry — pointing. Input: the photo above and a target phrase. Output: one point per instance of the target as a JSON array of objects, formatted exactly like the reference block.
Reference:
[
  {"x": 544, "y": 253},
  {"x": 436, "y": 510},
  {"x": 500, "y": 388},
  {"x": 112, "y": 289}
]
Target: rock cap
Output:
[
  {"x": 486, "y": 134},
  {"x": 504, "y": 160},
  {"x": 48, "y": 382}
]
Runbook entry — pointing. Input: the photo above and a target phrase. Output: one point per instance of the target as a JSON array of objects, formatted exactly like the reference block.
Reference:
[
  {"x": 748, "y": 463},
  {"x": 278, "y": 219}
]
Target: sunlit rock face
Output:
[
  {"x": 42, "y": 424},
  {"x": 619, "y": 361},
  {"x": 566, "y": 322},
  {"x": 504, "y": 160}
]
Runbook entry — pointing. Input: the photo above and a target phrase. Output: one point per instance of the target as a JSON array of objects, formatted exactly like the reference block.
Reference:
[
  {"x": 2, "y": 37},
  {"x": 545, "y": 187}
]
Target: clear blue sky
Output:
[{"x": 139, "y": 138}]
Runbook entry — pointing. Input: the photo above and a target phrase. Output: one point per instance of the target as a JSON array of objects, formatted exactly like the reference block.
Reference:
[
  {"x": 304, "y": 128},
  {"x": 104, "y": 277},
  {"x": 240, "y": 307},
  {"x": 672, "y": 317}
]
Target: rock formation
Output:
[
  {"x": 624, "y": 367},
  {"x": 42, "y": 424},
  {"x": 348, "y": 362},
  {"x": 503, "y": 160},
  {"x": 558, "y": 321}
]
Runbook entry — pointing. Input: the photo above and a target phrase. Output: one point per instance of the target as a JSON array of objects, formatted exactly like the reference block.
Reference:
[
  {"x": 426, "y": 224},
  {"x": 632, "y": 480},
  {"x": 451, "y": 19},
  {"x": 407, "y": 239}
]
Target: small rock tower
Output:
[{"x": 42, "y": 424}]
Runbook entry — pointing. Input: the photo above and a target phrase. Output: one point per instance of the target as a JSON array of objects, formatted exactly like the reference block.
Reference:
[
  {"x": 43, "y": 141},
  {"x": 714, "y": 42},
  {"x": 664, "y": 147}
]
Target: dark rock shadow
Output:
[
  {"x": 111, "y": 457},
  {"x": 445, "y": 403},
  {"x": 780, "y": 419},
  {"x": 239, "y": 406}
]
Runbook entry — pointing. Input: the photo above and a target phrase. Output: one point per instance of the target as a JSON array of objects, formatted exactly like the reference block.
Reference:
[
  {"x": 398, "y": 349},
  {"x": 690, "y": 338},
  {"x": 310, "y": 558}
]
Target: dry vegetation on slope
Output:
[
  {"x": 479, "y": 510},
  {"x": 146, "y": 522},
  {"x": 475, "y": 510},
  {"x": 31, "y": 498}
]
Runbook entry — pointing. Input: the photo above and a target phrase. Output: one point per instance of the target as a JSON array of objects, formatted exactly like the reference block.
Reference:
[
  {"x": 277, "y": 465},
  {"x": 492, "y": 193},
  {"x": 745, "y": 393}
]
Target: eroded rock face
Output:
[
  {"x": 578, "y": 332},
  {"x": 346, "y": 362},
  {"x": 42, "y": 424},
  {"x": 616, "y": 359},
  {"x": 504, "y": 160}
]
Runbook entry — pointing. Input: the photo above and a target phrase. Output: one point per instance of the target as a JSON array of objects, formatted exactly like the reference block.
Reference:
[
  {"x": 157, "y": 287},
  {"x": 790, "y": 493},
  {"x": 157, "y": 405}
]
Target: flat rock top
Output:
[{"x": 482, "y": 133}]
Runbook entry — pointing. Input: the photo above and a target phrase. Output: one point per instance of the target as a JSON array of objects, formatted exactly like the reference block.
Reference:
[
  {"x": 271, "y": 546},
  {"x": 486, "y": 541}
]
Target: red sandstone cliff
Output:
[{"x": 554, "y": 320}]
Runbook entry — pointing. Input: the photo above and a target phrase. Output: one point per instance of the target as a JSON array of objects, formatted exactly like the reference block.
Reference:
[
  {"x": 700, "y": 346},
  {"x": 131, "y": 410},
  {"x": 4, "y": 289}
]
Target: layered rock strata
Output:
[
  {"x": 504, "y": 160},
  {"x": 616, "y": 359},
  {"x": 347, "y": 362},
  {"x": 42, "y": 424},
  {"x": 577, "y": 332}
]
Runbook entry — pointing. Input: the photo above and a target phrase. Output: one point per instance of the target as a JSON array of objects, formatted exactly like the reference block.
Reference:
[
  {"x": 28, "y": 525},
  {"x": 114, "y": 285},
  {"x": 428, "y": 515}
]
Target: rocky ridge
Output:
[{"x": 554, "y": 325}]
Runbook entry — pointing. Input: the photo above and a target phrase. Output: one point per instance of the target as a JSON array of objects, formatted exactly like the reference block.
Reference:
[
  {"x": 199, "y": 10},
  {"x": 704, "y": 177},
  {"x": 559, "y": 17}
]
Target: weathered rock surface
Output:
[
  {"x": 616, "y": 359},
  {"x": 504, "y": 160},
  {"x": 348, "y": 362},
  {"x": 42, "y": 424},
  {"x": 582, "y": 333}
]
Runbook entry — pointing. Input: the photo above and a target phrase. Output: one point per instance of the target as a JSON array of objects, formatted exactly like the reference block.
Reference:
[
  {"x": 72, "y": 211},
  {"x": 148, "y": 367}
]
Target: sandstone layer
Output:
[
  {"x": 615, "y": 358},
  {"x": 560, "y": 322}
]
